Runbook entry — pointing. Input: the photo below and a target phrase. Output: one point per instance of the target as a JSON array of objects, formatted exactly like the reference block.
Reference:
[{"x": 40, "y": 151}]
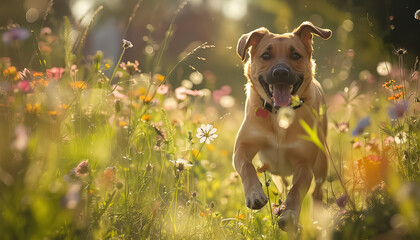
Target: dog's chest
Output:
[{"x": 272, "y": 154}]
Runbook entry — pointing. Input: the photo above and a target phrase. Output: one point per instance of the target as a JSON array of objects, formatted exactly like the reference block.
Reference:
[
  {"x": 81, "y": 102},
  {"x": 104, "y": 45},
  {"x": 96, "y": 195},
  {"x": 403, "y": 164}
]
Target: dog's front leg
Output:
[
  {"x": 242, "y": 160},
  {"x": 302, "y": 179}
]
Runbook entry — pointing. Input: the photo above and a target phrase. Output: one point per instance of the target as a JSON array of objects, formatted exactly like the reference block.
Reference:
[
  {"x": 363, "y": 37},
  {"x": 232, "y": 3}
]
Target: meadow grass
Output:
[{"x": 87, "y": 156}]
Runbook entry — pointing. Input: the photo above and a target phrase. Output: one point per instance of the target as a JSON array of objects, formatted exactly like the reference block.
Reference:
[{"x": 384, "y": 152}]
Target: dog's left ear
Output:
[
  {"x": 251, "y": 39},
  {"x": 305, "y": 31}
]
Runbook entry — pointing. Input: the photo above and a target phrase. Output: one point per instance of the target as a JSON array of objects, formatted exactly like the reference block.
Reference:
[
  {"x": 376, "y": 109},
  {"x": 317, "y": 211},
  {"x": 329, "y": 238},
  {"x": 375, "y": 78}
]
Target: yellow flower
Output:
[
  {"x": 146, "y": 117},
  {"x": 33, "y": 109},
  {"x": 11, "y": 72},
  {"x": 159, "y": 78},
  {"x": 78, "y": 85}
]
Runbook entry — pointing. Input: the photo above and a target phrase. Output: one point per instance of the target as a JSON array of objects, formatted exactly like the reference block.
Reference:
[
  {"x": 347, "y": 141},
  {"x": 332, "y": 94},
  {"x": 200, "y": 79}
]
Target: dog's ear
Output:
[
  {"x": 248, "y": 40},
  {"x": 305, "y": 31}
]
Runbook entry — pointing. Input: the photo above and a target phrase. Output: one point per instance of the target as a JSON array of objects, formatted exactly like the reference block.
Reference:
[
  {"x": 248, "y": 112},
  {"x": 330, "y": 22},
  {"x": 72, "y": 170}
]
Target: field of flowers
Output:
[{"x": 92, "y": 149}]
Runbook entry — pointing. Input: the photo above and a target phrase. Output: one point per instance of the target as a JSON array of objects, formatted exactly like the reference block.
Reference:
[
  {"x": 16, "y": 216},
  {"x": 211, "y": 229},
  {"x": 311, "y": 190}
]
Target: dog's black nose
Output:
[{"x": 280, "y": 72}]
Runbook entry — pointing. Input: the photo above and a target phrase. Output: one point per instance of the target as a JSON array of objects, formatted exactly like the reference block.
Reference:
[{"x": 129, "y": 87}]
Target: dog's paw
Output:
[
  {"x": 256, "y": 198},
  {"x": 288, "y": 221}
]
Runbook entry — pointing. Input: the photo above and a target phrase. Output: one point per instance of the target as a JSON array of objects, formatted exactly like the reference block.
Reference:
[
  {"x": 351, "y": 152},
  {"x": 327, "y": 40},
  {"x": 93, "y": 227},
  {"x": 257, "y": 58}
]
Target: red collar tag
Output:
[{"x": 260, "y": 112}]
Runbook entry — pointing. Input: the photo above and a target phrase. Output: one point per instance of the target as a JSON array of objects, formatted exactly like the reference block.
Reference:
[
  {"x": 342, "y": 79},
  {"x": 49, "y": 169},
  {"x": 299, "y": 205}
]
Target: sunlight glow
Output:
[
  {"x": 79, "y": 8},
  {"x": 234, "y": 9}
]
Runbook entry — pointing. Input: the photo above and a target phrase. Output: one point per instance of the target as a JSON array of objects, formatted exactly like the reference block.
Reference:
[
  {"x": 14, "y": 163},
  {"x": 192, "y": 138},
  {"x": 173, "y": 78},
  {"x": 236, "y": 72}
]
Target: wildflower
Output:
[
  {"x": 82, "y": 169},
  {"x": 11, "y": 73},
  {"x": 127, "y": 44},
  {"x": 158, "y": 78},
  {"x": 147, "y": 99},
  {"x": 239, "y": 216},
  {"x": 15, "y": 34},
  {"x": 398, "y": 110},
  {"x": 194, "y": 194},
  {"x": 396, "y": 96},
  {"x": 108, "y": 177},
  {"x": 24, "y": 86},
  {"x": 342, "y": 201},
  {"x": 55, "y": 73},
  {"x": 206, "y": 133},
  {"x": 78, "y": 85},
  {"x": 52, "y": 113},
  {"x": 400, "y": 51},
  {"x": 182, "y": 92},
  {"x": 388, "y": 84},
  {"x": 398, "y": 87},
  {"x": 389, "y": 140},
  {"x": 149, "y": 167},
  {"x": 342, "y": 127},
  {"x": 146, "y": 117},
  {"x": 123, "y": 123},
  {"x": 162, "y": 89},
  {"x": 181, "y": 164},
  {"x": 361, "y": 125},
  {"x": 130, "y": 68},
  {"x": 33, "y": 109},
  {"x": 400, "y": 138}
]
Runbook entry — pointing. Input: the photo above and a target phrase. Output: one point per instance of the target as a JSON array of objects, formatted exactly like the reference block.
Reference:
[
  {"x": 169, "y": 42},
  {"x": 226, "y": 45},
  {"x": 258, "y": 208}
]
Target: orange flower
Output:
[
  {"x": 78, "y": 85},
  {"x": 239, "y": 216},
  {"x": 122, "y": 123},
  {"x": 11, "y": 72},
  {"x": 146, "y": 117}
]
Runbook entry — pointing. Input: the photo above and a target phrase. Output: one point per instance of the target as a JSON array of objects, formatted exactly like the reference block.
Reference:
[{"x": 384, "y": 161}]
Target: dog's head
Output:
[{"x": 280, "y": 64}]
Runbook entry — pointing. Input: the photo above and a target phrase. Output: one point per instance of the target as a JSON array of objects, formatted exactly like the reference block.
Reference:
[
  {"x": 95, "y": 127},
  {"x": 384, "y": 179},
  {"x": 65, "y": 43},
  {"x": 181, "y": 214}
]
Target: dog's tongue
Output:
[{"x": 281, "y": 94}]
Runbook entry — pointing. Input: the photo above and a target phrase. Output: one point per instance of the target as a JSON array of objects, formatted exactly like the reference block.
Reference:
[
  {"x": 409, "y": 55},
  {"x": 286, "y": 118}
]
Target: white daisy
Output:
[{"x": 206, "y": 133}]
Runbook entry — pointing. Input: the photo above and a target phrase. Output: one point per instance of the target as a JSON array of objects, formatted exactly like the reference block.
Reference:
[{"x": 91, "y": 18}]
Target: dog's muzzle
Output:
[{"x": 280, "y": 84}]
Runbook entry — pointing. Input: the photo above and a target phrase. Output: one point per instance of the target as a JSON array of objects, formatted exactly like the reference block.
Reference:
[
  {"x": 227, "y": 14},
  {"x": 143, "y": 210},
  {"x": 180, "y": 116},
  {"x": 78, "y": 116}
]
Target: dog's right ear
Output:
[{"x": 248, "y": 40}]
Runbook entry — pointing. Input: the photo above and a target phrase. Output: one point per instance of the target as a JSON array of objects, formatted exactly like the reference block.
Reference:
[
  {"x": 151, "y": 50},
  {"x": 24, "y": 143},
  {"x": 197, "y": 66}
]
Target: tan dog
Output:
[{"x": 279, "y": 66}]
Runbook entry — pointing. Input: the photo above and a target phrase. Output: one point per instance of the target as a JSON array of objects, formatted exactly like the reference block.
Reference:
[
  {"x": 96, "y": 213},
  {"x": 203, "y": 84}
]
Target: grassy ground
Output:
[{"x": 93, "y": 151}]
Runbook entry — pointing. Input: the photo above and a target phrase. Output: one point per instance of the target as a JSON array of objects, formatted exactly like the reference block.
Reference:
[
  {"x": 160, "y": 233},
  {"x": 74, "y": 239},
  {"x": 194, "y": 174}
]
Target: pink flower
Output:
[
  {"x": 24, "y": 86},
  {"x": 82, "y": 169},
  {"x": 182, "y": 92},
  {"x": 55, "y": 73},
  {"x": 163, "y": 89}
]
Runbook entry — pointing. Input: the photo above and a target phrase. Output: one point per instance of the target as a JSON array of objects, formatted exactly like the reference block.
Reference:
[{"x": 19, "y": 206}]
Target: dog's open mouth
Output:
[{"x": 280, "y": 94}]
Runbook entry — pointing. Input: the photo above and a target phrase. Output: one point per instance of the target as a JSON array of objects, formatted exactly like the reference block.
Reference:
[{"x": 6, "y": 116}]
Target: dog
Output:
[{"x": 279, "y": 68}]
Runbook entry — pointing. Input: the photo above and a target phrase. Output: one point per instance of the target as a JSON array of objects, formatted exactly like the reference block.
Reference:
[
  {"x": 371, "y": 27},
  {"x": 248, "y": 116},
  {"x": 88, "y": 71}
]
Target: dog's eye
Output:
[
  {"x": 296, "y": 56},
  {"x": 266, "y": 56}
]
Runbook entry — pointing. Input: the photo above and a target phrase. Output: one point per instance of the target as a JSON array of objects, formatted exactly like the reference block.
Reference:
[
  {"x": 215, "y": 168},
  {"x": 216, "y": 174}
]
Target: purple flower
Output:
[
  {"x": 15, "y": 34},
  {"x": 342, "y": 201},
  {"x": 361, "y": 125},
  {"x": 397, "y": 111}
]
